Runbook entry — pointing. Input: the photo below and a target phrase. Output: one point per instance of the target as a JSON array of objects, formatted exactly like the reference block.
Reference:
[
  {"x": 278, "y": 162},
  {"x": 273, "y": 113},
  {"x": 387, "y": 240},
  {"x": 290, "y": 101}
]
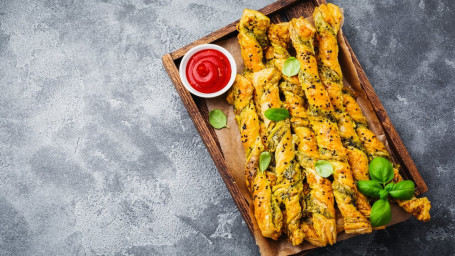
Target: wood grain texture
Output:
[
  {"x": 230, "y": 29},
  {"x": 402, "y": 154},
  {"x": 202, "y": 106},
  {"x": 210, "y": 140},
  {"x": 279, "y": 11},
  {"x": 301, "y": 9}
]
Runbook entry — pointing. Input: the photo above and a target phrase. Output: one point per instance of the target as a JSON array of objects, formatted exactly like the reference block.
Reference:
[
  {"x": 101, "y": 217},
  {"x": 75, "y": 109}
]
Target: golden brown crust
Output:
[
  {"x": 328, "y": 19},
  {"x": 328, "y": 124},
  {"x": 266, "y": 208},
  {"x": 319, "y": 226},
  {"x": 354, "y": 110},
  {"x": 288, "y": 187},
  {"x": 419, "y": 207},
  {"x": 322, "y": 120},
  {"x": 253, "y": 38}
]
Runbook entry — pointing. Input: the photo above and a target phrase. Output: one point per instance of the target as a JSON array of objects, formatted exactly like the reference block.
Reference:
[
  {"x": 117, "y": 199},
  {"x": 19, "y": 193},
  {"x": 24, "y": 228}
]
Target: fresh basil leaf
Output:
[
  {"x": 217, "y": 119},
  {"x": 403, "y": 190},
  {"x": 383, "y": 194},
  {"x": 381, "y": 170},
  {"x": 389, "y": 186},
  {"x": 276, "y": 114},
  {"x": 324, "y": 168},
  {"x": 369, "y": 188},
  {"x": 380, "y": 213},
  {"x": 264, "y": 160},
  {"x": 291, "y": 67}
]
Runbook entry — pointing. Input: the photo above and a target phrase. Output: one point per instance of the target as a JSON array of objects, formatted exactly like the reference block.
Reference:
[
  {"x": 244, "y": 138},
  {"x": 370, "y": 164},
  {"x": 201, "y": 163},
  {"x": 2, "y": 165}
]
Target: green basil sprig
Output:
[
  {"x": 264, "y": 160},
  {"x": 403, "y": 190},
  {"x": 380, "y": 213},
  {"x": 380, "y": 186},
  {"x": 381, "y": 170},
  {"x": 389, "y": 187},
  {"x": 324, "y": 168},
  {"x": 383, "y": 194},
  {"x": 218, "y": 119},
  {"x": 276, "y": 114},
  {"x": 369, "y": 188},
  {"x": 291, "y": 67}
]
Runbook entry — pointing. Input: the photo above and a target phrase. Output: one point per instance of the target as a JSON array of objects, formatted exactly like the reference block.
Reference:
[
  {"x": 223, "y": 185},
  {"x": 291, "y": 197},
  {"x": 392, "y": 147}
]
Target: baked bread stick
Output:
[
  {"x": 288, "y": 187},
  {"x": 319, "y": 226},
  {"x": 322, "y": 120},
  {"x": 327, "y": 19},
  {"x": 253, "y": 40},
  {"x": 267, "y": 212},
  {"x": 266, "y": 209},
  {"x": 418, "y": 207}
]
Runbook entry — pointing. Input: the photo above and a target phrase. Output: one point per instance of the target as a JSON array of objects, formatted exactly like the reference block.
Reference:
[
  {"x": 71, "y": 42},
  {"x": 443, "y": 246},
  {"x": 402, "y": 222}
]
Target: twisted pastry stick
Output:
[
  {"x": 253, "y": 39},
  {"x": 288, "y": 187},
  {"x": 322, "y": 120},
  {"x": 266, "y": 208},
  {"x": 267, "y": 212},
  {"x": 419, "y": 207},
  {"x": 320, "y": 201},
  {"x": 320, "y": 226},
  {"x": 327, "y": 19}
]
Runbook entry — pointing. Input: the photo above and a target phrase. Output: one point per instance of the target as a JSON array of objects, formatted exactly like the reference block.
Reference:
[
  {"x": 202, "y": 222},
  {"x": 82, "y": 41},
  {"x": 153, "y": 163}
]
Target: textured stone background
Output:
[{"x": 99, "y": 157}]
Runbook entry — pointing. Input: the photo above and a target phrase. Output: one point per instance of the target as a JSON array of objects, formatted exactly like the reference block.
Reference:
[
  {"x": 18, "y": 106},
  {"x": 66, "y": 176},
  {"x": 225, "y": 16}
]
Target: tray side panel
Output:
[
  {"x": 202, "y": 106},
  {"x": 209, "y": 139},
  {"x": 303, "y": 9},
  {"x": 231, "y": 28},
  {"x": 393, "y": 137}
]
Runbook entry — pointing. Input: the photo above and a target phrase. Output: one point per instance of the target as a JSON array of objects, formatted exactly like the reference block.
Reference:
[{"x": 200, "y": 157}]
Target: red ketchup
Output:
[{"x": 208, "y": 71}]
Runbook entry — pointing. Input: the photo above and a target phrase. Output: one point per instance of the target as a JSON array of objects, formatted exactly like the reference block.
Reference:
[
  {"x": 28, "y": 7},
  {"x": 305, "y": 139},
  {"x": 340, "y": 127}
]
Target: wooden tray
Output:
[{"x": 283, "y": 10}]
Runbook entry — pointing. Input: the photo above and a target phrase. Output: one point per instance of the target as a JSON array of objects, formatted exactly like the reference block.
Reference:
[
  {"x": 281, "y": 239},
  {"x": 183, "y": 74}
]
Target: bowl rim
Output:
[{"x": 194, "y": 50}]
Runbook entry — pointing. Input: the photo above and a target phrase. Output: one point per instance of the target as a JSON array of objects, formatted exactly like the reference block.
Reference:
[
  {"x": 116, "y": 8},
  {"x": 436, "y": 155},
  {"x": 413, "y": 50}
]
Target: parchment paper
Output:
[{"x": 235, "y": 155}]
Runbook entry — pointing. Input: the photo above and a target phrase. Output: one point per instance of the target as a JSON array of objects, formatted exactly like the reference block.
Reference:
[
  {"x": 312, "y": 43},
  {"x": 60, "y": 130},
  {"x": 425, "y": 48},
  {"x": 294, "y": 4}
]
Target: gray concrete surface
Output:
[{"x": 99, "y": 157}]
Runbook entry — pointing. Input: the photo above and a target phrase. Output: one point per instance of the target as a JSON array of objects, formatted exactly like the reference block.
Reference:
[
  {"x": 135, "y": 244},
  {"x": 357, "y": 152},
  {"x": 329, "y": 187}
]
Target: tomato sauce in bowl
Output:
[{"x": 207, "y": 70}]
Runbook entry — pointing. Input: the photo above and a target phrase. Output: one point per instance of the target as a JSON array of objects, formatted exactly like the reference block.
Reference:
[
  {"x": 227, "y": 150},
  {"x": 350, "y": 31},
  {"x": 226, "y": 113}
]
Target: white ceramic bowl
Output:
[{"x": 186, "y": 58}]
